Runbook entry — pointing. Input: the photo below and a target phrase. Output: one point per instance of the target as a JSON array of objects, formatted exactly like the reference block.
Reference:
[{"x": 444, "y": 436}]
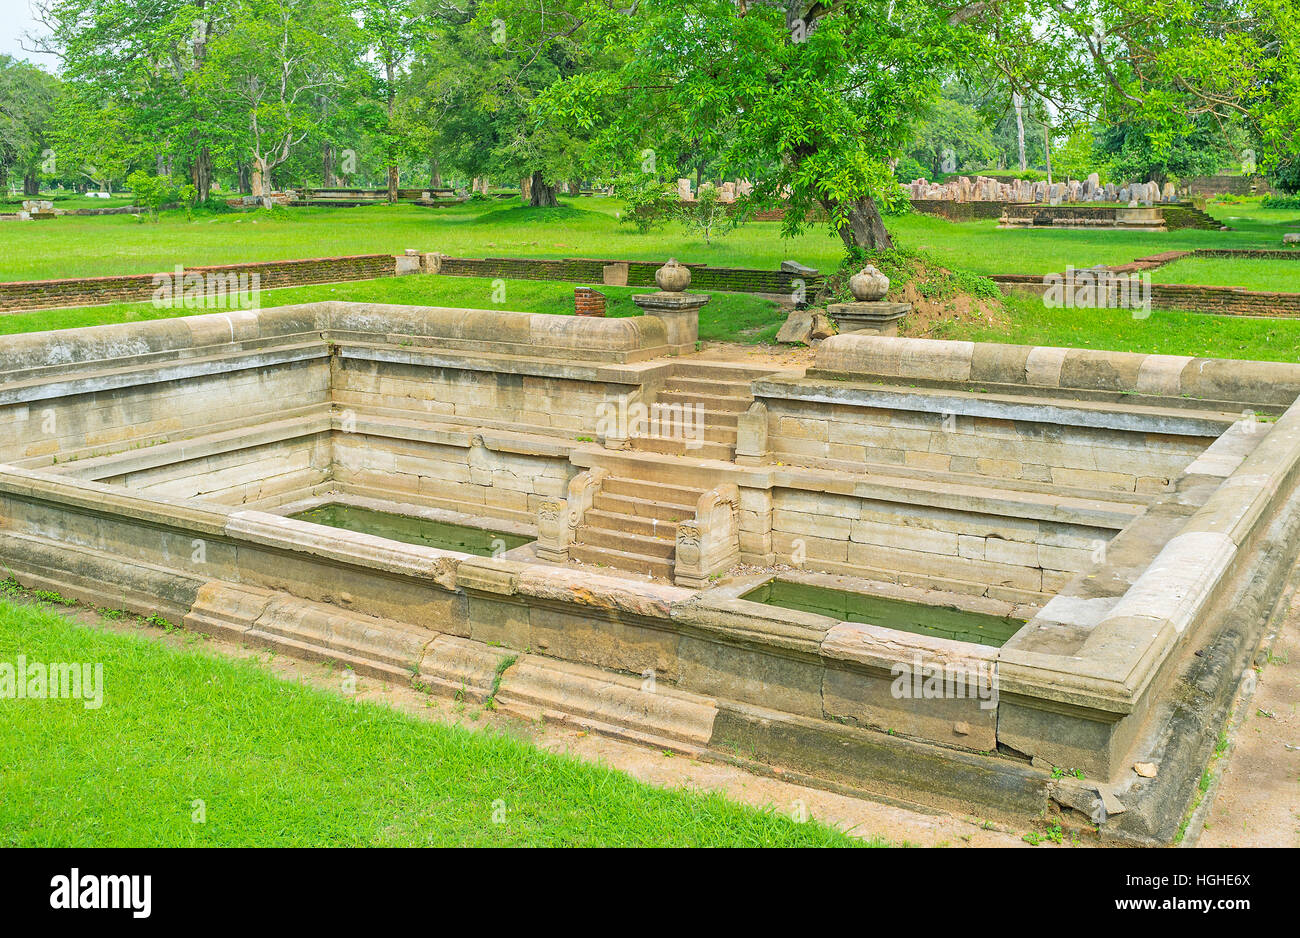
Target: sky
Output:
[{"x": 16, "y": 18}]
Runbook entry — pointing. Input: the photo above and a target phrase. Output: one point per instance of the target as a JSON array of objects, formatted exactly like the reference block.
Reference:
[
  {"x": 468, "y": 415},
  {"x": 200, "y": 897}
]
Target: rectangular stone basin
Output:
[
  {"x": 921, "y": 618},
  {"x": 424, "y": 532}
]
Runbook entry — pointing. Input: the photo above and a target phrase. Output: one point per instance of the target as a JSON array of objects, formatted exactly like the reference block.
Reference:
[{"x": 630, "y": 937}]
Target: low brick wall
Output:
[
  {"x": 91, "y": 291},
  {"x": 1232, "y": 185},
  {"x": 1223, "y": 301},
  {"x": 959, "y": 211},
  {"x": 639, "y": 273}
]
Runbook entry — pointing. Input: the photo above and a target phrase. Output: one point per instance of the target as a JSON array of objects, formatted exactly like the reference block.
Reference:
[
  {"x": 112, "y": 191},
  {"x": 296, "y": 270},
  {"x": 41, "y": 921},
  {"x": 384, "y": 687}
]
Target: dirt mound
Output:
[{"x": 938, "y": 295}]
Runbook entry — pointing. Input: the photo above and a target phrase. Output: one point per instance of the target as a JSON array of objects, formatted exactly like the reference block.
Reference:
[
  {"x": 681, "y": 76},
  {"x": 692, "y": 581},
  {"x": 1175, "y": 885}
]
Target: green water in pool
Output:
[{"x": 409, "y": 530}]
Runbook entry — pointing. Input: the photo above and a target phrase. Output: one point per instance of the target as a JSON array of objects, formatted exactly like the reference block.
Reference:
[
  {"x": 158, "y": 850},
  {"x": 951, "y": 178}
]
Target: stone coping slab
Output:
[{"x": 1246, "y": 382}]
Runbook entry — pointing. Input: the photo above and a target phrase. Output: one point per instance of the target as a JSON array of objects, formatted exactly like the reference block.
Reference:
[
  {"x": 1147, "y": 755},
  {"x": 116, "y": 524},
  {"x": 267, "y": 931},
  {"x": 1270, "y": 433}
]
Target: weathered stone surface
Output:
[{"x": 797, "y": 327}]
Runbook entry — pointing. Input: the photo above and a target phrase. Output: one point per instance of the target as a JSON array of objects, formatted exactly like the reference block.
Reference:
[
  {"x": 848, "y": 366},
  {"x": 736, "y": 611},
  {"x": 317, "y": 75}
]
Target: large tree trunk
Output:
[
  {"x": 542, "y": 194},
  {"x": 327, "y": 165},
  {"x": 31, "y": 185},
  {"x": 863, "y": 227},
  {"x": 392, "y": 184},
  {"x": 435, "y": 173},
  {"x": 201, "y": 173},
  {"x": 245, "y": 182},
  {"x": 1020, "y": 129}
]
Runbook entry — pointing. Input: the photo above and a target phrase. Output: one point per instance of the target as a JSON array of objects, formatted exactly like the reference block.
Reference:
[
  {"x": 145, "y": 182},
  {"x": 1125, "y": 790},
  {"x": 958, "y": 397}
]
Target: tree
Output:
[
  {"x": 267, "y": 72},
  {"x": 94, "y": 139},
  {"x": 1133, "y": 150},
  {"x": 27, "y": 96},
  {"x": 953, "y": 134},
  {"x": 392, "y": 33},
  {"x": 145, "y": 58},
  {"x": 1165, "y": 74},
  {"x": 811, "y": 104}
]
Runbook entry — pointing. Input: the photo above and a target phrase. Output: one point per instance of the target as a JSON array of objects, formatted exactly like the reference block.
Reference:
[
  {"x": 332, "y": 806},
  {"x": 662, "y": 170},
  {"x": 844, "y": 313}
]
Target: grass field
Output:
[
  {"x": 729, "y": 316},
  {"x": 581, "y": 227},
  {"x": 1280, "y": 276},
  {"x": 73, "y": 246},
  {"x": 741, "y": 317},
  {"x": 1164, "y": 332},
  {"x": 281, "y": 764}
]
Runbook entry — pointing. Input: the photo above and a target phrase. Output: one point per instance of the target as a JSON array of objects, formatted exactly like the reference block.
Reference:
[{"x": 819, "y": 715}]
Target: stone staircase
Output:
[
  {"x": 632, "y": 525},
  {"x": 722, "y": 395}
]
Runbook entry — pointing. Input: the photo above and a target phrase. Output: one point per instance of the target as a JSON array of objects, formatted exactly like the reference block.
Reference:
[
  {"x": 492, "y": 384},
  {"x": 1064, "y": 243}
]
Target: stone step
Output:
[
  {"x": 710, "y": 434},
  {"x": 709, "y": 450},
  {"x": 721, "y": 406},
  {"x": 709, "y": 387},
  {"x": 652, "y": 492},
  {"x": 632, "y": 524},
  {"x": 626, "y": 543},
  {"x": 641, "y": 508},
  {"x": 723, "y": 371},
  {"x": 621, "y": 560}
]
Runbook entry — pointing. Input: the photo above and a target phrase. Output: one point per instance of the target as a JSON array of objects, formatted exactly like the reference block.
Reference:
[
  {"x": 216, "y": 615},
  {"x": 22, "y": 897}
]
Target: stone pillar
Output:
[
  {"x": 588, "y": 302},
  {"x": 751, "y": 436},
  {"x": 553, "y": 530},
  {"x": 558, "y": 518},
  {"x": 710, "y": 543},
  {"x": 679, "y": 310}
]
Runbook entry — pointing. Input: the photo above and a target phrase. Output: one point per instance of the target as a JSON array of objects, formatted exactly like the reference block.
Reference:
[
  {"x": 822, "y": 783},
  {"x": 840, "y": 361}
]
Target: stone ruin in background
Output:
[
  {"x": 986, "y": 189},
  {"x": 727, "y": 192}
]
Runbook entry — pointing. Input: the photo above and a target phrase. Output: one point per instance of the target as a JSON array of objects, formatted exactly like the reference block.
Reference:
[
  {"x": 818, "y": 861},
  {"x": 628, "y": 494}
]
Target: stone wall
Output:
[
  {"x": 1222, "y": 301},
  {"x": 639, "y": 273},
  {"x": 1231, "y": 185},
  {"x": 935, "y": 546},
  {"x": 492, "y": 478},
  {"x": 1022, "y": 442},
  {"x": 1170, "y": 377},
  {"x": 90, "y": 291},
  {"x": 954, "y": 210}
]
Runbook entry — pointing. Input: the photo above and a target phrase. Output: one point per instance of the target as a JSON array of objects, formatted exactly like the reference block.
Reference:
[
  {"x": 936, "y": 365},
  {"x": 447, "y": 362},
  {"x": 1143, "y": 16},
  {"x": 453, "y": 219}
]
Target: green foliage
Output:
[
  {"x": 1138, "y": 151},
  {"x": 1078, "y": 157},
  {"x": 805, "y": 112},
  {"x": 1281, "y": 201},
  {"x": 284, "y": 763},
  {"x": 708, "y": 215},
  {"x": 649, "y": 204},
  {"x": 953, "y": 137},
  {"x": 27, "y": 97},
  {"x": 152, "y": 192}
]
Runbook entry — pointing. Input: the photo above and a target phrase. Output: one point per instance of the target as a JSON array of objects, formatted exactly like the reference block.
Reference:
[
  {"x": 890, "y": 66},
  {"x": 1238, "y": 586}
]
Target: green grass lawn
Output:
[
  {"x": 727, "y": 316},
  {"x": 282, "y": 764},
  {"x": 979, "y": 245},
  {"x": 740, "y": 317},
  {"x": 67, "y": 200},
  {"x": 580, "y": 227},
  {"x": 1164, "y": 332},
  {"x": 118, "y": 244},
  {"x": 1280, "y": 276}
]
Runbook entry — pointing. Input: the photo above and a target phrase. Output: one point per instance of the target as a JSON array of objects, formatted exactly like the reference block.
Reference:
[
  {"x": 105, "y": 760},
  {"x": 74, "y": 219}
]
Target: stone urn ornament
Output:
[
  {"x": 868, "y": 285},
  {"x": 673, "y": 277}
]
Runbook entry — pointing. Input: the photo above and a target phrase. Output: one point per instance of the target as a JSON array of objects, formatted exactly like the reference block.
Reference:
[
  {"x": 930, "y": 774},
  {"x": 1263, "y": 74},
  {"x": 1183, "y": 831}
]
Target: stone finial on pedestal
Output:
[
  {"x": 868, "y": 285},
  {"x": 869, "y": 314},
  {"x": 679, "y": 310}
]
